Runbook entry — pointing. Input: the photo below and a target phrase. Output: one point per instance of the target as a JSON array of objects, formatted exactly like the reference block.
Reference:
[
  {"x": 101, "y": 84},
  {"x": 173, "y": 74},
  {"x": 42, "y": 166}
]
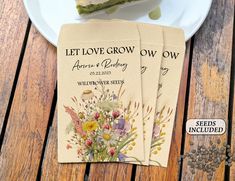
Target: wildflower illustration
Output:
[
  {"x": 146, "y": 116},
  {"x": 158, "y": 137},
  {"x": 101, "y": 127}
]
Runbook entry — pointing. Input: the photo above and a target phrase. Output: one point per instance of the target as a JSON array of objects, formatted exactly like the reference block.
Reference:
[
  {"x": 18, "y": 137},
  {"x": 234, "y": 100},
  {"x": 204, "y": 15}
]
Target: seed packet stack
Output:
[
  {"x": 117, "y": 91},
  {"x": 170, "y": 74}
]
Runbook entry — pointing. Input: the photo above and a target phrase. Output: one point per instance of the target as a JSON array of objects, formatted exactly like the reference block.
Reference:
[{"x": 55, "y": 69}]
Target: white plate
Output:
[{"x": 49, "y": 15}]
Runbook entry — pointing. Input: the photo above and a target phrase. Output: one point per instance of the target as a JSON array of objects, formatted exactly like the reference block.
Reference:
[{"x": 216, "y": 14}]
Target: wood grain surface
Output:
[
  {"x": 232, "y": 119},
  {"x": 210, "y": 78},
  {"x": 13, "y": 23},
  {"x": 28, "y": 121},
  {"x": 112, "y": 171},
  {"x": 23, "y": 141}
]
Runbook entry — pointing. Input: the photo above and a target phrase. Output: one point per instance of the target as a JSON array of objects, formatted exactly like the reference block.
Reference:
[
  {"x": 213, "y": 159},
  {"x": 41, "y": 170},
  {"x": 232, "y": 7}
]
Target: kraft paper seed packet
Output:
[
  {"x": 99, "y": 93},
  {"x": 151, "y": 47},
  {"x": 151, "y": 56},
  {"x": 171, "y": 68},
  {"x": 151, "y": 44}
]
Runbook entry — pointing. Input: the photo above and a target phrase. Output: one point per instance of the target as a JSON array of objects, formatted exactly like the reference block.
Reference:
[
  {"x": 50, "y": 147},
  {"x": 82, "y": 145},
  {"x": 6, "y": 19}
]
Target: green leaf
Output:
[
  {"x": 158, "y": 144},
  {"x": 136, "y": 159},
  {"x": 157, "y": 140},
  {"x": 126, "y": 139}
]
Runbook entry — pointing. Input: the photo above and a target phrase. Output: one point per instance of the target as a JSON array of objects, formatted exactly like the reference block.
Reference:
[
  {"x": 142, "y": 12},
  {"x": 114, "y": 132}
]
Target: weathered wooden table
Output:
[{"x": 28, "y": 102}]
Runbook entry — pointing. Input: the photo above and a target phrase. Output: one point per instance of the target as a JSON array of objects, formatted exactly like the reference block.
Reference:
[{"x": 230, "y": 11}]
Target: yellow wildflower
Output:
[
  {"x": 157, "y": 121},
  {"x": 90, "y": 125},
  {"x": 106, "y": 136},
  {"x": 127, "y": 117}
]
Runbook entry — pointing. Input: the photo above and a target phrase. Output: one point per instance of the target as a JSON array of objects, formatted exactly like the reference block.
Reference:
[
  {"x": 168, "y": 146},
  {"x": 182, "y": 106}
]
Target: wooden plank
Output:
[
  {"x": 171, "y": 172},
  {"x": 111, "y": 171},
  {"x": 29, "y": 115},
  {"x": 13, "y": 23},
  {"x": 210, "y": 78},
  {"x": 51, "y": 169},
  {"x": 232, "y": 169}
]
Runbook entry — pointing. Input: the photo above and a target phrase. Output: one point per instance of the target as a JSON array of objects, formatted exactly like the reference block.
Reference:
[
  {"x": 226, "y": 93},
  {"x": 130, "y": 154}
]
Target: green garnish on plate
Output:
[
  {"x": 90, "y": 6},
  {"x": 155, "y": 14}
]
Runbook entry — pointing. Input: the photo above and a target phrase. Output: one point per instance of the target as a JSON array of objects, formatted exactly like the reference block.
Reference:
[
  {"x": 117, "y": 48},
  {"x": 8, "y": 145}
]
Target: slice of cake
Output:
[{"x": 90, "y": 6}]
